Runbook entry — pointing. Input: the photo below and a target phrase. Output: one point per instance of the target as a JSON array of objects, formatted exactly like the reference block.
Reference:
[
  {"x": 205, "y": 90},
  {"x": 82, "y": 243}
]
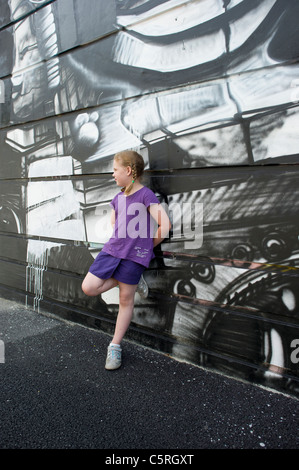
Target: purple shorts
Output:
[{"x": 106, "y": 266}]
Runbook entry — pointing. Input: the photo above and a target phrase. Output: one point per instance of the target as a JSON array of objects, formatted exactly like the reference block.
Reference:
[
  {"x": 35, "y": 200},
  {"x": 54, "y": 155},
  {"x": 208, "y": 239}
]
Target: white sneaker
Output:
[{"x": 113, "y": 360}]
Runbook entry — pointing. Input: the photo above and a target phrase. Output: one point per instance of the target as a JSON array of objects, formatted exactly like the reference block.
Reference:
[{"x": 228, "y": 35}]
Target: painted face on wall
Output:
[
  {"x": 26, "y": 53},
  {"x": 35, "y": 39}
]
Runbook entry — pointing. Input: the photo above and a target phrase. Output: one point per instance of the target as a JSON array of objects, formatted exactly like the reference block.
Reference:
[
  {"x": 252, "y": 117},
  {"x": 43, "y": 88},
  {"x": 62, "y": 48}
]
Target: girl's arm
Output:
[
  {"x": 160, "y": 216},
  {"x": 112, "y": 218}
]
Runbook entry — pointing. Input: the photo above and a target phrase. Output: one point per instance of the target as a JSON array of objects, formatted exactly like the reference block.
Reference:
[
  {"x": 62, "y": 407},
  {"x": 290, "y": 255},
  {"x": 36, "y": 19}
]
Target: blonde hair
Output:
[{"x": 135, "y": 162}]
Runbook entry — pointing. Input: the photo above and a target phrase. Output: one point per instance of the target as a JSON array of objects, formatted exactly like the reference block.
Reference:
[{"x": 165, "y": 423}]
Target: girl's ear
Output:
[{"x": 129, "y": 170}]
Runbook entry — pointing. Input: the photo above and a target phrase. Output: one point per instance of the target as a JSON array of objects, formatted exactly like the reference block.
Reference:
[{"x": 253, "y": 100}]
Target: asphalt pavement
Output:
[{"x": 56, "y": 394}]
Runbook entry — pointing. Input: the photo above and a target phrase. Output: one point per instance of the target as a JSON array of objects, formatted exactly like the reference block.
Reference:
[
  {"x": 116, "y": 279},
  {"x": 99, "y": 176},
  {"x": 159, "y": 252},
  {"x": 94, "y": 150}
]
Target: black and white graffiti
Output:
[{"x": 208, "y": 92}]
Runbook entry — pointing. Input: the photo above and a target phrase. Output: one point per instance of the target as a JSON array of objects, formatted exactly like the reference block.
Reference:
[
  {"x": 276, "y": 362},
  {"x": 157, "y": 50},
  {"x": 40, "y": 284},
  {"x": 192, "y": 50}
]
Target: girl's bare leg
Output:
[
  {"x": 125, "y": 313},
  {"x": 93, "y": 286}
]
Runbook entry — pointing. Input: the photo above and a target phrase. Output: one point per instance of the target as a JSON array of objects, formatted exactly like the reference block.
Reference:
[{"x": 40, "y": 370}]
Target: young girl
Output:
[{"x": 129, "y": 251}]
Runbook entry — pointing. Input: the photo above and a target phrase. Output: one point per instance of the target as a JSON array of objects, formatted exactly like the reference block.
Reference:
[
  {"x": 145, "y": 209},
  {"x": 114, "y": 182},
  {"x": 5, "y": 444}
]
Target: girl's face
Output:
[{"x": 122, "y": 174}]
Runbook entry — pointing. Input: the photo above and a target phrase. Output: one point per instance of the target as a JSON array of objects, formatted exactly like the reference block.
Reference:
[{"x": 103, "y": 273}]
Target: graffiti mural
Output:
[{"x": 208, "y": 92}]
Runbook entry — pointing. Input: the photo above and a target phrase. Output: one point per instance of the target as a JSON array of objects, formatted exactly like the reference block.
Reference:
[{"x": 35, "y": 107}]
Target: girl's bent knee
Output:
[{"x": 88, "y": 290}]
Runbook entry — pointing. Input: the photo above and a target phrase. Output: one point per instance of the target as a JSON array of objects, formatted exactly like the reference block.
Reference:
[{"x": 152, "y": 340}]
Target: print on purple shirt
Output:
[{"x": 134, "y": 227}]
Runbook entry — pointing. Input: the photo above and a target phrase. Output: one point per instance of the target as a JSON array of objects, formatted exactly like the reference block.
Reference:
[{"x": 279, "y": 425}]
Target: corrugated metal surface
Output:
[{"x": 208, "y": 92}]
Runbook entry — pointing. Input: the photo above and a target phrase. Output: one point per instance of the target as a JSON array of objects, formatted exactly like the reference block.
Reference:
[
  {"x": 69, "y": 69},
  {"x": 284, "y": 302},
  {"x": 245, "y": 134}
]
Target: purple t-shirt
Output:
[{"x": 134, "y": 227}]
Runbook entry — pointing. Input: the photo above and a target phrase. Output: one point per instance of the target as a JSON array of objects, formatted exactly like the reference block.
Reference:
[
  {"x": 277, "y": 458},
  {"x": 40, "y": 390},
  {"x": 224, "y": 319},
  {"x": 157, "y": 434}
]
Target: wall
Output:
[{"x": 208, "y": 92}]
